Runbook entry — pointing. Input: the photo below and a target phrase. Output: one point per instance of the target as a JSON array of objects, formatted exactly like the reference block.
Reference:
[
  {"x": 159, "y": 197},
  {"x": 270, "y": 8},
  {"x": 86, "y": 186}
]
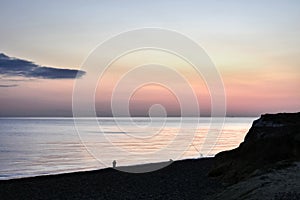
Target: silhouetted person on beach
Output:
[{"x": 114, "y": 163}]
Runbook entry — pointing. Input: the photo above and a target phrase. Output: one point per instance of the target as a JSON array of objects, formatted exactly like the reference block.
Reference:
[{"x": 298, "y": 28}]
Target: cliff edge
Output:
[{"x": 272, "y": 141}]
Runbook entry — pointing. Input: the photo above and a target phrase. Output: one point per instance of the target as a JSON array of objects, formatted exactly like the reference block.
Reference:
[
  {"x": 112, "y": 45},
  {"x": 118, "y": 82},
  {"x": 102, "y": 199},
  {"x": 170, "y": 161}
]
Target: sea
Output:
[{"x": 42, "y": 146}]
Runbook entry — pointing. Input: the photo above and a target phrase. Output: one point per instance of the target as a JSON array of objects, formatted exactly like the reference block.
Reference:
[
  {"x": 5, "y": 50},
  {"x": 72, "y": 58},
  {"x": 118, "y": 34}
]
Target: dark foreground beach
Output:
[
  {"x": 265, "y": 166},
  {"x": 181, "y": 180}
]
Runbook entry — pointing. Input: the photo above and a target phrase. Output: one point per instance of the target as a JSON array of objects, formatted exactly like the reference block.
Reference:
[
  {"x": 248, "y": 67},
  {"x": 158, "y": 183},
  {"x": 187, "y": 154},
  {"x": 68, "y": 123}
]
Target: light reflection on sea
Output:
[{"x": 40, "y": 146}]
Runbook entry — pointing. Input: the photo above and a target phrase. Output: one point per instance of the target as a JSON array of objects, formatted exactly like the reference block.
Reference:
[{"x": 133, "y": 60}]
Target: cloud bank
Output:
[{"x": 10, "y": 66}]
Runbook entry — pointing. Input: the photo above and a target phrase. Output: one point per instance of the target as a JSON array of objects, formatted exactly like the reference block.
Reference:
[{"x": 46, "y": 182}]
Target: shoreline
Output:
[
  {"x": 117, "y": 168},
  {"x": 180, "y": 180},
  {"x": 126, "y": 168}
]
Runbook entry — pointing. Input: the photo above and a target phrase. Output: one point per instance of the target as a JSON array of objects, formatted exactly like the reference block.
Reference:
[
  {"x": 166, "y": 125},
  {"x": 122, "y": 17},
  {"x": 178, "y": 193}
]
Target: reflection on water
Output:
[{"x": 37, "y": 146}]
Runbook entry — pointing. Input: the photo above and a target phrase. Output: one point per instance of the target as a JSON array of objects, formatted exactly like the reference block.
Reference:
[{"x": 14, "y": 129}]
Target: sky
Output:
[{"x": 255, "y": 46}]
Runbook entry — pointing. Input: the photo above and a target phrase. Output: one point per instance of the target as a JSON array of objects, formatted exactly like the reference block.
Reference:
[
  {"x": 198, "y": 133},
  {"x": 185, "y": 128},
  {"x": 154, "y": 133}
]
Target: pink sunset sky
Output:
[{"x": 255, "y": 47}]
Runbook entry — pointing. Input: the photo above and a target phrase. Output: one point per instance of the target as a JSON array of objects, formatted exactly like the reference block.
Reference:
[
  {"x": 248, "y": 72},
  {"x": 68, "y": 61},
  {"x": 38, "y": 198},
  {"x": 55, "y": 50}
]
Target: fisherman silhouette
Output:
[{"x": 114, "y": 163}]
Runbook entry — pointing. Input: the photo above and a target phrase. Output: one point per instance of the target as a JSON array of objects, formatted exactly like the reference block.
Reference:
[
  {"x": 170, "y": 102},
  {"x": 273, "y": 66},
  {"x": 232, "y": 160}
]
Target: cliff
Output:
[{"x": 273, "y": 141}]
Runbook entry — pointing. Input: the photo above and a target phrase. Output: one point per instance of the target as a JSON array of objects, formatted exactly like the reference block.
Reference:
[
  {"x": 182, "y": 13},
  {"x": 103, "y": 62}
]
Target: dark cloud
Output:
[
  {"x": 17, "y": 67},
  {"x": 9, "y": 85}
]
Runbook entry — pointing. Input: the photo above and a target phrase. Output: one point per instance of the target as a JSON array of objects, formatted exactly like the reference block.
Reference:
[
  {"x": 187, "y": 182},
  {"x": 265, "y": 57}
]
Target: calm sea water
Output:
[{"x": 40, "y": 146}]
